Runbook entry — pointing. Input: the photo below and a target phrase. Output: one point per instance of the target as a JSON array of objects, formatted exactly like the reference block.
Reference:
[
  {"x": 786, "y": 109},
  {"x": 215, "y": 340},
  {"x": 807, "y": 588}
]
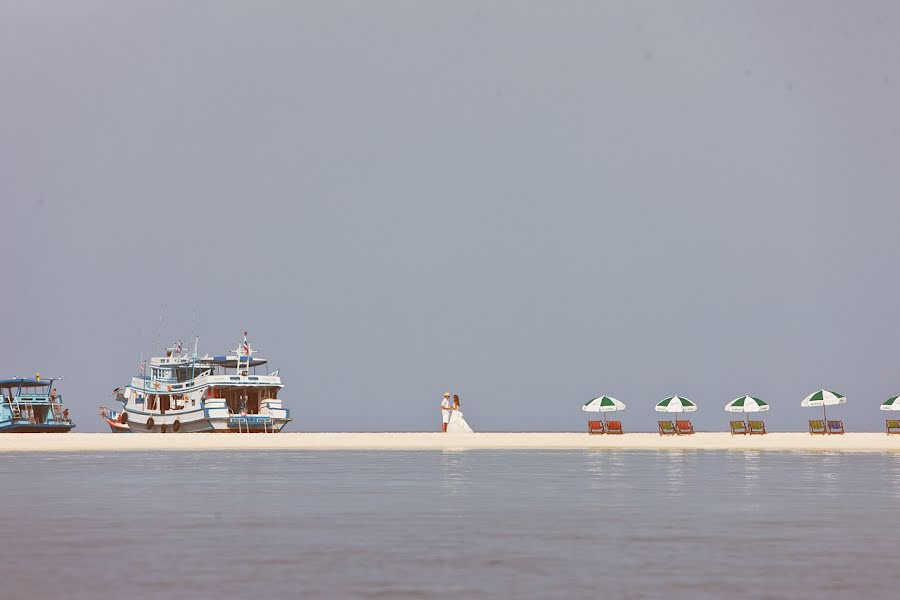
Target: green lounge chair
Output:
[
  {"x": 614, "y": 427},
  {"x": 817, "y": 427},
  {"x": 684, "y": 428},
  {"x": 738, "y": 427},
  {"x": 595, "y": 427},
  {"x": 892, "y": 426},
  {"x": 757, "y": 428},
  {"x": 836, "y": 427},
  {"x": 666, "y": 428}
]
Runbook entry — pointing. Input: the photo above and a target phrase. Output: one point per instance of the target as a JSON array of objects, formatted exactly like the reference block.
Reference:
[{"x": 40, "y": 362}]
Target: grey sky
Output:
[{"x": 526, "y": 203}]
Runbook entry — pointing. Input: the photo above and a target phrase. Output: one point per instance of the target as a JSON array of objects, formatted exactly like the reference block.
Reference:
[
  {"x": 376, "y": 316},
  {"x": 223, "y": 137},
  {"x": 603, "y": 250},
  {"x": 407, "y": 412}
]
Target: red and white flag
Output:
[{"x": 245, "y": 347}]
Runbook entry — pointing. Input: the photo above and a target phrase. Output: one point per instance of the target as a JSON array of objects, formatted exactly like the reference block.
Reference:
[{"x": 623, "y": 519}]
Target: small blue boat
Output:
[{"x": 32, "y": 406}]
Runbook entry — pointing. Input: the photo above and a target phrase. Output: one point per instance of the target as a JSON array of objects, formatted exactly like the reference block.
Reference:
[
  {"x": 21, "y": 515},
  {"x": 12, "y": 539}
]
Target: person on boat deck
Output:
[
  {"x": 53, "y": 395},
  {"x": 446, "y": 408}
]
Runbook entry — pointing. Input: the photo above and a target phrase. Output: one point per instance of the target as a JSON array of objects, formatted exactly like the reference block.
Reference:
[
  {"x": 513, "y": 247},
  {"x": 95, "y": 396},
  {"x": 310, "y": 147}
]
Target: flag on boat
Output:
[
  {"x": 178, "y": 347},
  {"x": 245, "y": 347}
]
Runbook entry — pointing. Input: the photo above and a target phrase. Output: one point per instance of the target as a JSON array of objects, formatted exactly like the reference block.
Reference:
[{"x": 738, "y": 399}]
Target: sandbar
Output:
[{"x": 109, "y": 442}]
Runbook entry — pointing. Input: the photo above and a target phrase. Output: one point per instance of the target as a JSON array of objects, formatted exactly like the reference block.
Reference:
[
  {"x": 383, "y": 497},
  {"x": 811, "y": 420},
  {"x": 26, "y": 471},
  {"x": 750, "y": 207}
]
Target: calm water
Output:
[{"x": 467, "y": 524}]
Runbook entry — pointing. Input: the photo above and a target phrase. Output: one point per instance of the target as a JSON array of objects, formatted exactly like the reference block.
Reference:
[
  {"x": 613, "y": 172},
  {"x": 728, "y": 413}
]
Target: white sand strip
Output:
[{"x": 74, "y": 442}]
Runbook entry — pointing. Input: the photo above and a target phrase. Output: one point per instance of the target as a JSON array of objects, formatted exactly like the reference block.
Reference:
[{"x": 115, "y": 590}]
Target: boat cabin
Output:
[{"x": 32, "y": 405}]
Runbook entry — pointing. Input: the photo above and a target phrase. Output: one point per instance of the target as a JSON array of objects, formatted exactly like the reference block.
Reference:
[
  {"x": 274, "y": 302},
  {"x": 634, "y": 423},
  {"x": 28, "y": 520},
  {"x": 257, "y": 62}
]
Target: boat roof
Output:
[
  {"x": 235, "y": 361},
  {"x": 23, "y": 382}
]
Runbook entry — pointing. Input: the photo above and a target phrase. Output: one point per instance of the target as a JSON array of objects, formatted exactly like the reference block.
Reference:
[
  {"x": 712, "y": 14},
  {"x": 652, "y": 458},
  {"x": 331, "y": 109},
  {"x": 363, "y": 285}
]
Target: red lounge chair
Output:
[
  {"x": 595, "y": 427},
  {"x": 614, "y": 427},
  {"x": 666, "y": 428},
  {"x": 738, "y": 427},
  {"x": 892, "y": 426},
  {"x": 684, "y": 428},
  {"x": 836, "y": 427}
]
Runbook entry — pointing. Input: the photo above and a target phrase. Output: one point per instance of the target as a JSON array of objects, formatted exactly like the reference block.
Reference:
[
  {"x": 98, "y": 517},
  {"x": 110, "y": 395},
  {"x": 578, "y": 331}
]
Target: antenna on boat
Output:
[{"x": 159, "y": 332}]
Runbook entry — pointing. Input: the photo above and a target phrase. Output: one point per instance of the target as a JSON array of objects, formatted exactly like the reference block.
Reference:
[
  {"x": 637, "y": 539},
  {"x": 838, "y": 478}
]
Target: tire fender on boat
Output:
[
  {"x": 150, "y": 423},
  {"x": 162, "y": 428},
  {"x": 176, "y": 425}
]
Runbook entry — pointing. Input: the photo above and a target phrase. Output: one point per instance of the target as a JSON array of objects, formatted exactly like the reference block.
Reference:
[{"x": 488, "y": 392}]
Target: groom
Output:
[{"x": 446, "y": 408}]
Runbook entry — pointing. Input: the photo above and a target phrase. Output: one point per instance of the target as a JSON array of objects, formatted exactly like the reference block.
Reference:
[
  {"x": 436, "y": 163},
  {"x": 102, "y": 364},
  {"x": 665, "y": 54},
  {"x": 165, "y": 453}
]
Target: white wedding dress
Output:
[{"x": 458, "y": 423}]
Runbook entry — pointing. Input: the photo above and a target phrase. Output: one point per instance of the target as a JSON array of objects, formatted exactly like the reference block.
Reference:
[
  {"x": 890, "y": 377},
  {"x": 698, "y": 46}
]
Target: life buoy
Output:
[
  {"x": 156, "y": 385},
  {"x": 162, "y": 428},
  {"x": 150, "y": 423},
  {"x": 176, "y": 425}
]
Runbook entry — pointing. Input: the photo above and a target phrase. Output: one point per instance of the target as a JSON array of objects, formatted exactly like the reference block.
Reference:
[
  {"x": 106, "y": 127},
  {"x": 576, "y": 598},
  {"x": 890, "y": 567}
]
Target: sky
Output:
[{"x": 526, "y": 203}]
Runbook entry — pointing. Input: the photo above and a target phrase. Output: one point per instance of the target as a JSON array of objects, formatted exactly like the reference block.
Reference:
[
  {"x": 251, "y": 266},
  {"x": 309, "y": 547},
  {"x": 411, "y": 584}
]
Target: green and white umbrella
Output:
[
  {"x": 823, "y": 398},
  {"x": 603, "y": 404},
  {"x": 676, "y": 404},
  {"x": 746, "y": 404},
  {"x": 891, "y": 403}
]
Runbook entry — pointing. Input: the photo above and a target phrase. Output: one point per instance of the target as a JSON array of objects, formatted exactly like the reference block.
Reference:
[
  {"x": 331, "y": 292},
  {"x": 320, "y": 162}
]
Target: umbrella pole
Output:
[{"x": 824, "y": 415}]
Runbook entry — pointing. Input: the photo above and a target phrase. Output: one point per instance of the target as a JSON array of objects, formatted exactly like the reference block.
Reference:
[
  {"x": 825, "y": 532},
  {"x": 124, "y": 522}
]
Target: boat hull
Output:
[
  {"x": 36, "y": 428},
  {"x": 209, "y": 426}
]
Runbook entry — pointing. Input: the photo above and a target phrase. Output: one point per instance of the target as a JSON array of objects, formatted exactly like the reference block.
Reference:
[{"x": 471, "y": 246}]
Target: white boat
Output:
[{"x": 186, "y": 393}]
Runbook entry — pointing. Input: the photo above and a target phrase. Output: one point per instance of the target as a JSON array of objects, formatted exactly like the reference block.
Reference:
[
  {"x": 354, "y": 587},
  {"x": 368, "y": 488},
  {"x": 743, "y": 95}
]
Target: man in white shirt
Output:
[{"x": 446, "y": 407}]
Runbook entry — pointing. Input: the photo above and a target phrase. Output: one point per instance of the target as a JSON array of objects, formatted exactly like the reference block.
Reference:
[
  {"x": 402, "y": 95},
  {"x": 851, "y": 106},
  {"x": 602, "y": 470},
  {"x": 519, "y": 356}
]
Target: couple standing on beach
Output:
[{"x": 451, "y": 417}]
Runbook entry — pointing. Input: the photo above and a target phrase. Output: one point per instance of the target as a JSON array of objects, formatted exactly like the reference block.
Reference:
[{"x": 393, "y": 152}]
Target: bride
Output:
[{"x": 457, "y": 422}]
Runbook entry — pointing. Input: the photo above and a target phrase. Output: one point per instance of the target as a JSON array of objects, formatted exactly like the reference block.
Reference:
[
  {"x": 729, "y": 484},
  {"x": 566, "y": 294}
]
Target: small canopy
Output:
[
  {"x": 676, "y": 404},
  {"x": 746, "y": 404},
  {"x": 6, "y": 384},
  {"x": 891, "y": 403},
  {"x": 603, "y": 404},
  {"x": 823, "y": 398}
]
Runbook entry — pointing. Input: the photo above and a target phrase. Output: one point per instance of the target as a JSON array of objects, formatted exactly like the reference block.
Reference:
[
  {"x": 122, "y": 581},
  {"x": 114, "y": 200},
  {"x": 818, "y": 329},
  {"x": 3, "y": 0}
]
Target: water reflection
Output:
[
  {"x": 453, "y": 471},
  {"x": 675, "y": 472},
  {"x": 891, "y": 474},
  {"x": 751, "y": 463}
]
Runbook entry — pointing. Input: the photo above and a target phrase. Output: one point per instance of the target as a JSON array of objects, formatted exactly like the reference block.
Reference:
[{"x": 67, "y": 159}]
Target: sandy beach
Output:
[{"x": 75, "y": 442}]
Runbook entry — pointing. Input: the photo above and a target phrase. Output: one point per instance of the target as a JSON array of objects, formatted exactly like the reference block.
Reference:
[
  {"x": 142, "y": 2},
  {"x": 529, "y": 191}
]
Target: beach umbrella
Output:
[
  {"x": 891, "y": 403},
  {"x": 823, "y": 398},
  {"x": 603, "y": 404},
  {"x": 676, "y": 404},
  {"x": 746, "y": 404}
]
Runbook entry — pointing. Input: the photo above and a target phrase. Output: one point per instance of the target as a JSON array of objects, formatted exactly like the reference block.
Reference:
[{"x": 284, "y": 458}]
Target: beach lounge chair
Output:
[
  {"x": 666, "y": 428},
  {"x": 684, "y": 428},
  {"x": 614, "y": 427},
  {"x": 738, "y": 427},
  {"x": 757, "y": 428},
  {"x": 892, "y": 426},
  {"x": 817, "y": 427},
  {"x": 595, "y": 427},
  {"x": 836, "y": 427}
]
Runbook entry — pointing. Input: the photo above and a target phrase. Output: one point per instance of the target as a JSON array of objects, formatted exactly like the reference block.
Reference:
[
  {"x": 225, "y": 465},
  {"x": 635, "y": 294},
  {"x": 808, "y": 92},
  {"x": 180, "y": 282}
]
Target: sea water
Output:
[{"x": 450, "y": 524}]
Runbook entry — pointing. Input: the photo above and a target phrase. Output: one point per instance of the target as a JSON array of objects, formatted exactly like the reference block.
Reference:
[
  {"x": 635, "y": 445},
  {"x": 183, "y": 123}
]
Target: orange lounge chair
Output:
[
  {"x": 757, "y": 428},
  {"x": 738, "y": 427},
  {"x": 595, "y": 427},
  {"x": 817, "y": 427},
  {"x": 666, "y": 428},
  {"x": 836, "y": 427},
  {"x": 614, "y": 427},
  {"x": 892, "y": 426},
  {"x": 684, "y": 428}
]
